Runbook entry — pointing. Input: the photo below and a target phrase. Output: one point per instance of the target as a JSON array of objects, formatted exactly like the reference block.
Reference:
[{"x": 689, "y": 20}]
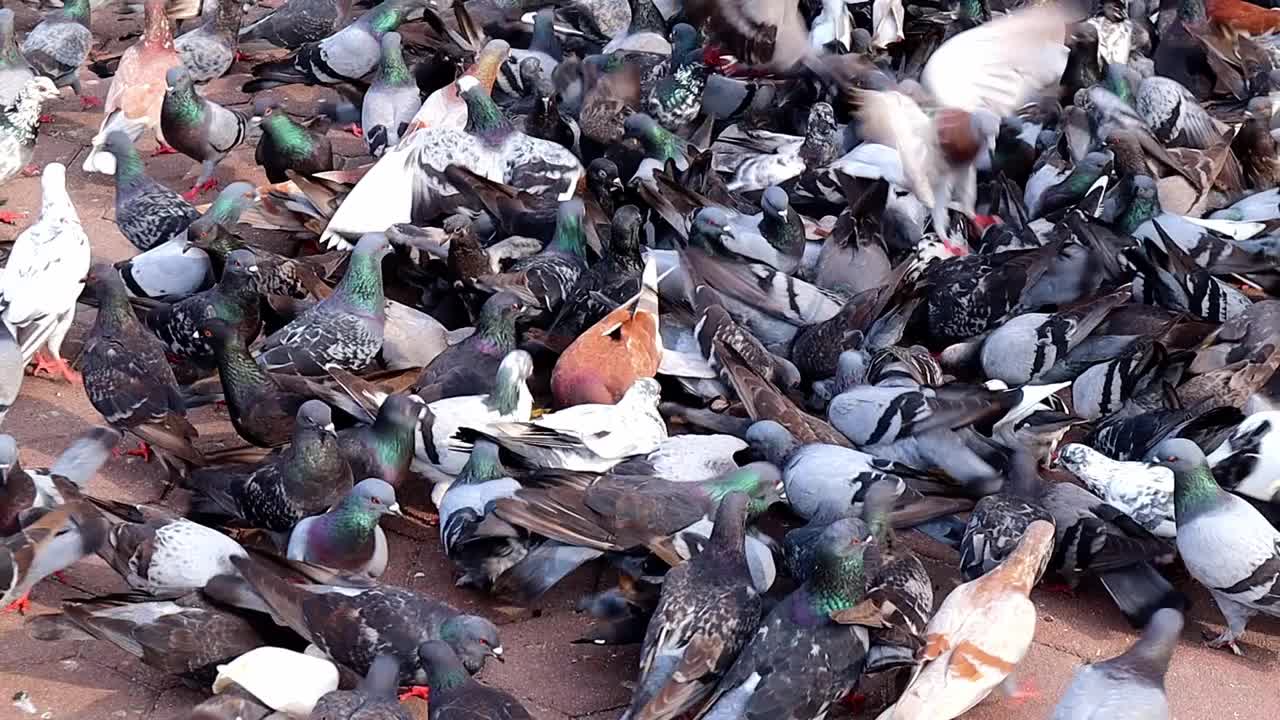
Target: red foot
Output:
[
  {"x": 60, "y": 576},
  {"x": 240, "y": 56},
  {"x": 985, "y": 221},
  {"x": 48, "y": 365},
  {"x": 190, "y": 195},
  {"x": 1024, "y": 691},
  {"x": 20, "y": 606},
  {"x": 356, "y": 130},
  {"x": 220, "y": 405},
  {"x": 11, "y": 218},
  {"x": 143, "y": 451},
  {"x": 164, "y": 150},
  {"x": 89, "y": 101},
  {"x": 31, "y": 170},
  {"x": 418, "y": 691},
  {"x": 46, "y": 119}
]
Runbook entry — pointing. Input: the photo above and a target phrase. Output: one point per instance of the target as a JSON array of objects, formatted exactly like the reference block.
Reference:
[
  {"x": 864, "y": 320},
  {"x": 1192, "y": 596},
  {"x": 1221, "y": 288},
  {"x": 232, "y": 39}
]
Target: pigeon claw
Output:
[
  {"x": 46, "y": 118},
  {"x": 9, "y": 217},
  {"x": 1224, "y": 641},
  {"x": 356, "y": 130},
  {"x": 416, "y": 691},
  {"x": 90, "y": 101},
  {"x": 20, "y": 606},
  {"x": 54, "y": 367},
  {"x": 143, "y": 451},
  {"x": 1020, "y": 692},
  {"x": 164, "y": 150},
  {"x": 31, "y": 170}
]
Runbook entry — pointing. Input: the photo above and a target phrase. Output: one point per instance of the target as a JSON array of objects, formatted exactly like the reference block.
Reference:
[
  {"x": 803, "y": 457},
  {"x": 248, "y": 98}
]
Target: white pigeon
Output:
[
  {"x": 1140, "y": 490},
  {"x": 45, "y": 275}
]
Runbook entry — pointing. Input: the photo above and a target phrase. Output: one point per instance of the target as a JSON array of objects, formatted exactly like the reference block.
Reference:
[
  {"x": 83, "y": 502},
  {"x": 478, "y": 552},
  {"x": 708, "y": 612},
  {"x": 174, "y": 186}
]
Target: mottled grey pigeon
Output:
[
  {"x": 209, "y": 50},
  {"x": 59, "y": 45},
  {"x": 147, "y": 213},
  {"x": 1131, "y": 685},
  {"x": 198, "y": 127}
]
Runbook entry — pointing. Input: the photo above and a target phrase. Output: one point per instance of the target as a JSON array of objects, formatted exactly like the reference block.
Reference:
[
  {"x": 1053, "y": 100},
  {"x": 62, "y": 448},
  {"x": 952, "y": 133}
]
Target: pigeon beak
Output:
[
  {"x": 616, "y": 184},
  {"x": 331, "y": 429},
  {"x": 497, "y": 654},
  {"x": 395, "y": 509},
  {"x": 253, "y": 269}
]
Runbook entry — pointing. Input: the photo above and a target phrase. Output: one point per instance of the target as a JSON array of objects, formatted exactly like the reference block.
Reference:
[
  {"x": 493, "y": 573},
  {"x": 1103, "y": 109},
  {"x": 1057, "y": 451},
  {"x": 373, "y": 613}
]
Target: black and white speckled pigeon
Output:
[
  {"x": 348, "y": 536},
  {"x": 546, "y": 279},
  {"x": 999, "y": 520},
  {"x": 353, "y": 627},
  {"x": 1129, "y": 686},
  {"x": 14, "y": 70},
  {"x": 706, "y": 613},
  {"x": 1226, "y": 544},
  {"x": 455, "y": 695},
  {"x": 59, "y": 45},
  {"x": 147, "y": 213},
  {"x": 373, "y": 699},
  {"x": 391, "y": 101},
  {"x": 476, "y": 541},
  {"x": 129, "y": 381},
  {"x": 19, "y": 127},
  {"x": 800, "y": 659},
  {"x": 303, "y": 479},
  {"x": 1138, "y": 489},
  {"x": 1247, "y": 462},
  {"x": 199, "y": 128},
  {"x": 233, "y": 300},
  {"x": 166, "y": 556},
  {"x": 344, "y": 329},
  {"x": 343, "y": 57},
  {"x": 298, "y": 22},
  {"x": 209, "y": 50}
]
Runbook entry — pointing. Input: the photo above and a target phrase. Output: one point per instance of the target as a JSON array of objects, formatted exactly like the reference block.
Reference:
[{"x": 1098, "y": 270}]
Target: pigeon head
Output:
[
  {"x": 474, "y": 639},
  {"x": 684, "y": 37},
  {"x": 103, "y": 280},
  {"x": 242, "y": 262},
  {"x": 1179, "y": 455},
  {"x": 266, "y": 106},
  {"x": 852, "y": 368},
  {"x": 504, "y": 308},
  {"x": 760, "y": 481},
  {"x": 401, "y": 411},
  {"x": 1084, "y": 38},
  {"x": 775, "y": 202},
  {"x": 822, "y": 119},
  {"x": 314, "y": 415},
  {"x": 1151, "y": 653},
  {"x": 530, "y": 72},
  {"x": 627, "y": 222},
  {"x": 483, "y": 465},
  {"x": 177, "y": 78},
  {"x": 53, "y": 180},
  {"x": 216, "y": 329},
  {"x": 376, "y": 496},
  {"x": 39, "y": 89},
  {"x": 602, "y": 176},
  {"x": 771, "y": 440},
  {"x": 638, "y": 126},
  {"x": 877, "y": 503},
  {"x": 712, "y": 224},
  {"x": 373, "y": 245},
  {"x": 845, "y": 558}
]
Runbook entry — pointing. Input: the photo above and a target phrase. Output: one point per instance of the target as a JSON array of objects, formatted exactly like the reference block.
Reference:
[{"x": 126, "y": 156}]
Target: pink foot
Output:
[
  {"x": 164, "y": 150},
  {"x": 20, "y": 606},
  {"x": 53, "y": 367},
  {"x": 46, "y": 119},
  {"x": 31, "y": 170},
  {"x": 417, "y": 691},
  {"x": 89, "y": 101},
  {"x": 356, "y": 130},
  {"x": 11, "y": 218},
  {"x": 143, "y": 451},
  {"x": 1023, "y": 691}
]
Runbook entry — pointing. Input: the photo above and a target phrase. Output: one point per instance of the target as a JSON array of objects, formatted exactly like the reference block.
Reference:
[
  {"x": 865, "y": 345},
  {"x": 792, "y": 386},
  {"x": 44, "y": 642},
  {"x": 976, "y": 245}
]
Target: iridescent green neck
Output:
[
  {"x": 243, "y": 380},
  {"x": 506, "y": 392},
  {"x": 1139, "y": 211},
  {"x": 393, "y": 69},
  {"x": 570, "y": 238},
  {"x": 499, "y": 330},
  {"x": 114, "y": 311},
  {"x": 485, "y": 119},
  {"x": 226, "y": 211},
  {"x": 1194, "y": 492},
  {"x": 354, "y": 521},
  {"x": 77, "y": 10},
  {"x": 837, "y": 582},
  {"x": 362, "y": 285},
  {"x": 290, "y": 137},
  {"x": 129, "y": 166},
  {"x": 184, "y": 105},
  {"x": 392, "y": 438},
  {"x": 447, "y": 678},
  {"x": 386, "y": 17},
  {"x": 481, "y": 467},
  {"x": 660, "y": 144}
]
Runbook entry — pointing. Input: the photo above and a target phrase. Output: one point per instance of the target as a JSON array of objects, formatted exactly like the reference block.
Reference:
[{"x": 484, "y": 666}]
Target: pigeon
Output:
[
  {"x": 30, "y": 492},
  {"x": 198, "y": 127},
  {"x": 261, "y": 410},
  {"x": 455, "y": 695},
  {"x": 385, "y": 449},
  {"x": 137, "y": 90},
  {"x": 271, "y": 678},
  {"x": 800, "y": 661},
  {"x": 297, "y": 23},
  {"x": 545, "y": 280},
  {"x": 1130, "y": 685},
  {"x": 208, "y": 51},
  {"x": 706, "y": 613},
  {"x": 348, "y": 537},
  {"x": 147, "y": 213},
  {"x": 392, "y": 99},
  {"x": 287, "y": 146},
  {"x": 344, "y": 329},
  {"x": 51, "y": 544},
  {"x": 129, "y": 381},
  {"x": 233, "y": 300},
  {"x": 999, "y": 521},
  {"x": 58, "y": 47},
  {"x": 470, "y": 367},
  {"x": 1226, "y": 544},
  {"x": 346, "y": 56},
  {"x": 373, "y": 699},
  {"x": 585, "y": 438},
  {"x": 978, "y": 635},
  {"x": 476, "y": 541},
  {"x": 1026, "y": 346},
  {"x": 166, "y": 556},
  {"x": 19, "y": 127},
  {"x": 44, "y": 277},
  {"x": 12, "y": 366},
  {"x": 1246, "y": 462},
  {"x": 14, "y": 69},
  {"x": 1140, "y": 490},
  {"x": 616, "y": 277},
  {"x": 303, "y": 479},
  {"x": 354, "y": 626}
]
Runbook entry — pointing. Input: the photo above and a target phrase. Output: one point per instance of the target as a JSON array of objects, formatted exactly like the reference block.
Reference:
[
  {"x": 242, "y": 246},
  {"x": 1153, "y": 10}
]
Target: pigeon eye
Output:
[{"x": 483, "y": 641}]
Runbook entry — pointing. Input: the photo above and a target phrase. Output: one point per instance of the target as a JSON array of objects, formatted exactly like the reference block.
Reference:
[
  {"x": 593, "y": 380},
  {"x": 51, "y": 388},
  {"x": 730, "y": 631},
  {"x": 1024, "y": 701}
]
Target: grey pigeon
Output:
[
  {"x": 354, "y": 627},
  {"x": 1174, "y": 115},
  {"x": 59, "y": 45},
  {"x": 166, "y": 556},
  {"x": 198, "y": 127},
  {"x": 129, "y": 381},
  {"x": 11, "y": 371},
  {"x": 1225, "y": 543},
  {"x": 348, "y": 536},
  {"x": 1027, "y": 345},
  {"x": 373, "y": 699},
  {"x": 706, "y": 613},
  {"x": 1129, "y": 686},
  {"x": 14, "y": 70},
  {"x": 147, "y": 213},
  {"x": 209, "y": 50},
  {"x": 53, "y": 543},
  {"x": 800, "y": 659},
  {"x": 385, "y": 449},
  {"x": 233, "y": 299},
  {"x": 476, "y": 541},
  {"x": 306, "y": 478},
  {"x": 392, "y": 100},
  {"x": 345, "y": 56},
  {"x": 28, "y": 493},
  {"x": 455, "y": 695},
  {"x": 19, "y": 126},
  {"x": 344, "y": 329},
  {"x": 298, "y": 22}
]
